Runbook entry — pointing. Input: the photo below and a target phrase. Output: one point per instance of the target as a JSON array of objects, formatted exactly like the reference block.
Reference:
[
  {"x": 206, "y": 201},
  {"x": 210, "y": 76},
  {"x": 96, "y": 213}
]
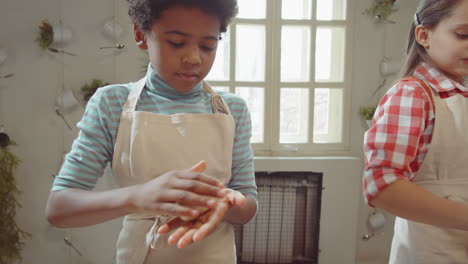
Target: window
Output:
[{"x": 287, "y": 58}]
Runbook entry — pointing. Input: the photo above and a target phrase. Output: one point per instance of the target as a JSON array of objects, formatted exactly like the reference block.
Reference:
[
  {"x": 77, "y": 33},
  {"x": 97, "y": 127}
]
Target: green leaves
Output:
[
  {"x": 367, "y": 112},
  {"x": 381, "y": 9}
]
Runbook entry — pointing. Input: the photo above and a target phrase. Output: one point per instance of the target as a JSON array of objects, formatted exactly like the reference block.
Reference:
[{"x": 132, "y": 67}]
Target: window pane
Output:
[
  {"x": 250, "y": 53},
  {"x": 220, "y": 69},
  {"x": 221, "y": 88},
  {"x": 329, "y": 54},
  {"x": 294, "y": 115},
  {"x": 296, "y": 9},
  {"x": 328, "y": 115},
  {"x": 331, "y": 9},
  {"x": 295, "y": 54},
  {"x": 251, "y": 9},
  {"x": 255, "y": 98}
]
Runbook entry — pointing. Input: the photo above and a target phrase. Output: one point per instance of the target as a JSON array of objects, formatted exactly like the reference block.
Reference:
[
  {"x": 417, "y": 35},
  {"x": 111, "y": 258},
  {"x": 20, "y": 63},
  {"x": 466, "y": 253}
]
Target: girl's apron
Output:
[
  {"x": 444, "y": 172},
  {"x": 149, "y": 145}
]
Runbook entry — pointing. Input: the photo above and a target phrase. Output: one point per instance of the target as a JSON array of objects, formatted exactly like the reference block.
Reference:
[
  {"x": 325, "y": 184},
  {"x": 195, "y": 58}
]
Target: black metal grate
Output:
[{"x": 286, "y": 227}]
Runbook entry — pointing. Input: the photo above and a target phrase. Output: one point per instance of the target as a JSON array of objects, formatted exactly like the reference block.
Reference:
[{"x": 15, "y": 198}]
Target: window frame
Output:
[{"x": 272, "y": 84}]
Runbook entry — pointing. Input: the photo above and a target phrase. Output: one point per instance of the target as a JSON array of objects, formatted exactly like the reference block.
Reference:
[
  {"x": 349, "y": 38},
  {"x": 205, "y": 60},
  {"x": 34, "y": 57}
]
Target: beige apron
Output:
[
  {"x": 444, "y": 172},
  {"x": 149, "y": 145}
]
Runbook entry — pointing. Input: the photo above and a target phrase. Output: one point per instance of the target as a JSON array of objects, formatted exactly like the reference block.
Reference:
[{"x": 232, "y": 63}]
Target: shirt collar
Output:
[
  {"x": 439, "y": 81},
  {"x": 156, "y": 85}
]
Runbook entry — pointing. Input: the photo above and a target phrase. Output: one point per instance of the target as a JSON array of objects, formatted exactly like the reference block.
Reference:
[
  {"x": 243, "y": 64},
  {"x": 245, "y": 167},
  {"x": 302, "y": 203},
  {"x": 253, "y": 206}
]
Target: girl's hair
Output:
[
  {"x": 146, "y": 12},
  {"x": 429, "y": 14}
]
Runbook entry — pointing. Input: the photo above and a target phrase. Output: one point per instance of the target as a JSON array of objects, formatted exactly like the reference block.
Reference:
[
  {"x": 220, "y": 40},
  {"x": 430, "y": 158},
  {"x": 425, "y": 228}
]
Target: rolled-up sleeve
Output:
[
  {"x": 243, "y": 174},
  {"x": 395, "y": 145}
]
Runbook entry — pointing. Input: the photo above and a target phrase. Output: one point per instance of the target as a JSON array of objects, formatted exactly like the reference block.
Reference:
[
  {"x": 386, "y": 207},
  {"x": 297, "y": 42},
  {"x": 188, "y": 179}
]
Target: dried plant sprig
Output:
[
  {"x": 89, "y": 89},
  {"x": 46, "y": 34}
]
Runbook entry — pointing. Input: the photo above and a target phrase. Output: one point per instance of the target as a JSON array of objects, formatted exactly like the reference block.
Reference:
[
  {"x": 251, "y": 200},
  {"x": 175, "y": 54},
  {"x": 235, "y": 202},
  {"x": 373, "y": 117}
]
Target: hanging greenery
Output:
[
  {"x": 46, "y": 38},
  {"x": 381, "y": 9},
  {"x": 89, "y": 89},
  {"x": 12, "y": 237},
  {"x": 367, "y": 112}
]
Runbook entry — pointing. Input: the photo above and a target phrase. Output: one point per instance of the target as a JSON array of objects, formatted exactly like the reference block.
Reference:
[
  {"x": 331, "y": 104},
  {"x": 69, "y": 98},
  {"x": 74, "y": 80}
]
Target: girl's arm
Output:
[
  {"x": 407, "y": 200},
  {"x": 397, "y": 142},
  {"x": 172, "y": 193}
]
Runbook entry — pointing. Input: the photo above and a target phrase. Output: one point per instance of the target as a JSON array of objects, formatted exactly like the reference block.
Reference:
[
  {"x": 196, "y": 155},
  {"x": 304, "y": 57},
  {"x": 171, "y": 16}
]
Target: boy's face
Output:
[{"x": 182, "y": 46}]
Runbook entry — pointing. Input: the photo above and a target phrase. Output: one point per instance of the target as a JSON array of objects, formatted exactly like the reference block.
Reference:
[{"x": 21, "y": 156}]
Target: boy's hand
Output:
[
  {"x": 199, "y": 167},
  {"x": 176, "y": 192},
  {"x": 192, "y": 231}
]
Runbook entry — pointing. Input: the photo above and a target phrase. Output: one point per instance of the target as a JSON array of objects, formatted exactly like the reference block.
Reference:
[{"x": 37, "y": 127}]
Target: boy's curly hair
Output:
[{"x": 146, "y": 12}]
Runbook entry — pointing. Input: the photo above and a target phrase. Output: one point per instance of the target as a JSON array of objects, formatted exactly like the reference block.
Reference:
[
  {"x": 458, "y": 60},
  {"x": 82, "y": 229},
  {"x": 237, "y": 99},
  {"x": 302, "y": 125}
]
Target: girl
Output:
[
  {"x": 150, "y": 131},
  {"x": 416, "y": 152}
]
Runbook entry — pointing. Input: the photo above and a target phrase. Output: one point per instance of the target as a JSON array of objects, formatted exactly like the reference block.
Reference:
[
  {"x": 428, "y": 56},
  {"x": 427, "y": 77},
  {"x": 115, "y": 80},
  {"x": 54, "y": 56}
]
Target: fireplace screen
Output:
[{"x": 286, "y": 227}]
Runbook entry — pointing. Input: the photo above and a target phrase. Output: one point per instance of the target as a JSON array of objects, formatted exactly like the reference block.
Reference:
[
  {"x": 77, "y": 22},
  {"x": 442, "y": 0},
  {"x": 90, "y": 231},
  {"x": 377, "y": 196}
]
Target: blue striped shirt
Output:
[{"x": 93, "y": 149}]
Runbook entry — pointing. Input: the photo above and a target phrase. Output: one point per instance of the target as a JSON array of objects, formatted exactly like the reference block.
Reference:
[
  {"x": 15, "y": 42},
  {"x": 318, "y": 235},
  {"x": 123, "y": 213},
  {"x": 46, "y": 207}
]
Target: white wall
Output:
[{"x": 27, "y": 110}]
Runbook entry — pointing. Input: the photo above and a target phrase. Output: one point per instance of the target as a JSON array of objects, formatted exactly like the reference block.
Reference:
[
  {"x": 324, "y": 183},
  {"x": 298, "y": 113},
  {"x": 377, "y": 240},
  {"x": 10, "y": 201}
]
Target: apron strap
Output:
[
  {"x": 135, "y": 92},
  {"x": 425, "y": 87},
  {"x": 217, "y": 102}
]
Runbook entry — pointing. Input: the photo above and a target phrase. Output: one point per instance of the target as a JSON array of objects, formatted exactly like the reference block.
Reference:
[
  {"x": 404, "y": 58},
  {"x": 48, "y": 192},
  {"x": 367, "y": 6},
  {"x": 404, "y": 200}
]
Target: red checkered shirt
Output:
[{"x": 397, "y": 142}]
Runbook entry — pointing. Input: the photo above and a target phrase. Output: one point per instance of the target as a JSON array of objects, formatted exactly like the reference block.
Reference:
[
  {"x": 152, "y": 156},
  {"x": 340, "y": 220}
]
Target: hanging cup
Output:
[
  {"x": 389, "y": 67},
  {"x": 67, "y": 102},
  {"x": 112, "y": 29},
  {"x": 376, "y": 221},
  {"x": 62, "y": 34}
]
